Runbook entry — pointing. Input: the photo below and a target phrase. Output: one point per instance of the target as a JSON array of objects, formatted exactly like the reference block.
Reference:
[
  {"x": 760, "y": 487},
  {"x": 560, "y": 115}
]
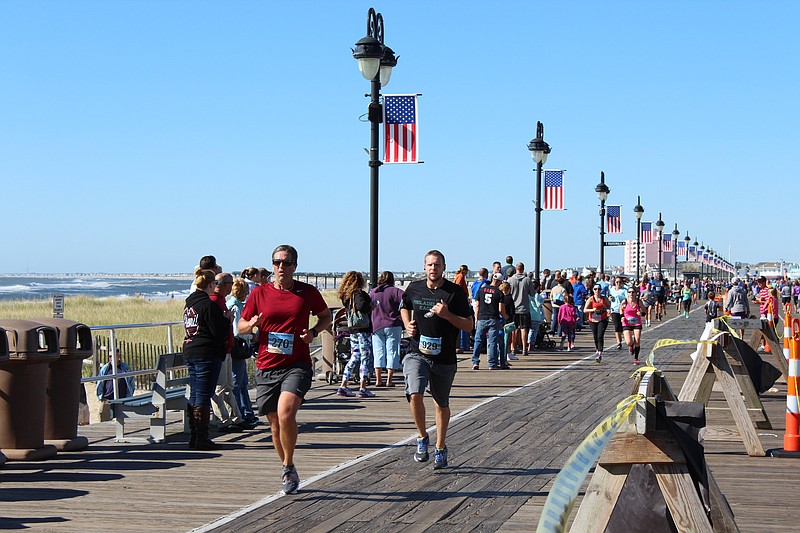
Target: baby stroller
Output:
[
  {"x": 543, "y": 340},
  {"x": 341, "y": 347}
]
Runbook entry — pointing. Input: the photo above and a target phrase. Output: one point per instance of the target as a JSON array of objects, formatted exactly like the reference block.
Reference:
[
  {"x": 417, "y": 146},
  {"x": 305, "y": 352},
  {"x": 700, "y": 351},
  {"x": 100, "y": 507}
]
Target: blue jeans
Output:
[
  {"x": 464, "y": 340},
  {"x": 203, "y": 377},
  {"x": 386, "y": 347},
  {"x": 555, "y": 327},
  {"x": 533, "y": 333},
  {"x": 492, "y": 325},
  {"x": 241, "y": 392},
  {"x": 579, "y": 309}
]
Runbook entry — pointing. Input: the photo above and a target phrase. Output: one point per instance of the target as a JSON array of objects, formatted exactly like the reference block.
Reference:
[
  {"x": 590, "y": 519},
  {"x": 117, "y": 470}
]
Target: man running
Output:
[
  {"x": 281, "y": 310},
  {"x": 433, "y": 311}
]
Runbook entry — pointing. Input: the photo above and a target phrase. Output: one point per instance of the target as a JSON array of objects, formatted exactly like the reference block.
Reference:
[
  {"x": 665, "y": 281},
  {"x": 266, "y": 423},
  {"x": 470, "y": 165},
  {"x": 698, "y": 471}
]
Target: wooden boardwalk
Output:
[{"x": 511, "y": 433}]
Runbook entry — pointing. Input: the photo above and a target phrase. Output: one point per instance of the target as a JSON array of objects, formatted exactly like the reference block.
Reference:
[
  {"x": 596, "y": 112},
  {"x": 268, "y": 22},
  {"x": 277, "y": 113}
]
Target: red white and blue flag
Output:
[
  {"x": 553, "y": 190},
  {"x": 647, "y": 233},
  {"x": 401, "y": 122},
  {"x": 692, "y": 253},
  {"x": 667, "y": 242},
  {"x": 681, "y": 248},
  {"x": 613, "y": 219}
]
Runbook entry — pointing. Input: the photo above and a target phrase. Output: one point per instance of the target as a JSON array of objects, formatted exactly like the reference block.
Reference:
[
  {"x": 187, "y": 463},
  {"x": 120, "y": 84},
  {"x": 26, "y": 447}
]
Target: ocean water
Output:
[{"x": 15, "y": 287}]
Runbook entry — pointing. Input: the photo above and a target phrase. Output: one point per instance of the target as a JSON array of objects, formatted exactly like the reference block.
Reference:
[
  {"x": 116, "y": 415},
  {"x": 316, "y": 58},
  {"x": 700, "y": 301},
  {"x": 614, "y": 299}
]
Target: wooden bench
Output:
[{"x": 167, "y": 394}]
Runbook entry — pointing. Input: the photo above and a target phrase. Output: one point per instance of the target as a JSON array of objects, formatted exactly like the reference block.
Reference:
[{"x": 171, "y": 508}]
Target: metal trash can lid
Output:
[
  {"x": 30, "y": 340},
  {"x": 74, "y": 338}
]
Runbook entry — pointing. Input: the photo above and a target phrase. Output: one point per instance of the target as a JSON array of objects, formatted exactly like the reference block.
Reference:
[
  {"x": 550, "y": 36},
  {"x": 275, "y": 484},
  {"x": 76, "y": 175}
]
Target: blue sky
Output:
[{"x": 139, "y": 136}]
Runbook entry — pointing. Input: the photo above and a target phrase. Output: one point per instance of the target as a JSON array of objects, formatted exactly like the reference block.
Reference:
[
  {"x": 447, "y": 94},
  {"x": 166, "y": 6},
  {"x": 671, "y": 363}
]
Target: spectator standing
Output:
[
  {"x": 520, "y": 293},
  {"x": 568, "y": 322},
  {"x": 461, "y": 280},
  {"x": 579, "y": 293},
  {"x": 387, "y": 328},
  {"x": 204, "y": 347},
  {"x": 536, "y": 312},
  {"x": 359, "y": 324},
  {"x": 241, "y": 379},
  {"x": 490, "y": 308},
  {"x": 736, "y": 302},
  {"x": 508, "y": 269}
]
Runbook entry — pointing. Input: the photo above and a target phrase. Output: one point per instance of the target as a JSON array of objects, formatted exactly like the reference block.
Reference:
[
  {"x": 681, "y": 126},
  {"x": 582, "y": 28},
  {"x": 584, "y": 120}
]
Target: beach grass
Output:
[{"x": 115, "y": 311}]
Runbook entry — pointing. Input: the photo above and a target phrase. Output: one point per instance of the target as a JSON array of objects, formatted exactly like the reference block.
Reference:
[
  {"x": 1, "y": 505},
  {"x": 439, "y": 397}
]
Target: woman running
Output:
[
  {"x": 597, "y": 309},
  {"x": 632, "y": 325}
]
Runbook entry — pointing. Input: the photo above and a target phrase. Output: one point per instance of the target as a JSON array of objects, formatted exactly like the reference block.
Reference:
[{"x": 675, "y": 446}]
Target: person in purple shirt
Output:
[{"x": 387, "y": 328}]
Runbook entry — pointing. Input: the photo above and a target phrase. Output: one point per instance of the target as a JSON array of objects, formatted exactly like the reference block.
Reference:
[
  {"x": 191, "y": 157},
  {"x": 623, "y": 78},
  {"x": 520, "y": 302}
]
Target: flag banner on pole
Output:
[
  {"x": 667, "y": 242},
  {"x": 681, "y": 248},
  {"x": 400, "y": 124},
  {"x": 553, "y": 190},
  {"x": 613, "y": 219},
  {"x": 692, "y": 253},
  {"x": 647, "y": 233},
  {"x": 705, "y": 257}
]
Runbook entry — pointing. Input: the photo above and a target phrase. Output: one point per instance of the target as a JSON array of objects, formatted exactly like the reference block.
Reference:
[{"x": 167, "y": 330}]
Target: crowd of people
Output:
[{"x": 501, "y": 313}]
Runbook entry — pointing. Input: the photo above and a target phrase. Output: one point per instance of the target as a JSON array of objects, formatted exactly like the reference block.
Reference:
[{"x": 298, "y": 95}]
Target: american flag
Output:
[
  {"x": 667, "y": 242},
  {"x": 681, "y": 248},
  {"x": 400, "y": 125},
  {"x": 705, "y": 257},
  {"x": 692, "y": 253},
  {"x": 614, "y": 219},
  {"x": 647, "y": 232},
  {"x": 553, "y": 190}
]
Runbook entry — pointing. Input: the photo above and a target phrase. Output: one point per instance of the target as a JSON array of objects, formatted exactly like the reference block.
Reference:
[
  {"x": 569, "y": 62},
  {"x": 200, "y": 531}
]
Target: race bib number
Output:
[
  {"x": 430, "y": 345},
  {"x": 597, "y": 317},
  {"x": 633, "y": 321},
  {"x": 281, "y": 343}
]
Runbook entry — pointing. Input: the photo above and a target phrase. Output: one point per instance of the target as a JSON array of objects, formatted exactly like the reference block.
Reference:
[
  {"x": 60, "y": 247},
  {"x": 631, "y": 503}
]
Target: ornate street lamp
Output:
[
  {"x": 687, "y": 240},
  {"x": 675, "y": 235},
  {"x": 638, "y": 211},
  {"x": 602, "y": 191},
  {"x": 539, "y": 151},
  {"x": 660, "y": 229},
  {"x": 375, "y": 61},
  {"x": 702, "y": 249}
]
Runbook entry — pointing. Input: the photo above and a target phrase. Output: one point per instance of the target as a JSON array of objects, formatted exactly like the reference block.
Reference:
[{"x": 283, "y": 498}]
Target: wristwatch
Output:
[{"x": 314, "y": 331}]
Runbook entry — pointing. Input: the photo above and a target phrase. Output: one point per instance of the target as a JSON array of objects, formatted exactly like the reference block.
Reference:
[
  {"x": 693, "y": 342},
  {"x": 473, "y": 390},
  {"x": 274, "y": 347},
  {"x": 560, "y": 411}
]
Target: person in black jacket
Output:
[{"x": 204, "y": 350}]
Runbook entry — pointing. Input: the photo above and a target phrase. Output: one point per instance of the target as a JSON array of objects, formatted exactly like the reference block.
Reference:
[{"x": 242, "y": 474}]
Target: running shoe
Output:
[
  {"x": 513, "y": 357},
  {"x": 344, "y": 391},
  {"x": 635, "y": 360},
  {"x": 421, "y": 454},
  {"x": 290, "y": 480},
  {"x": 599, "y": 357},
  {"x": 439, "y": 458},
  {"x": 475, "y": 367},
  {"x": 619, "y": 346},
  {"x": 366, "y": 393}
]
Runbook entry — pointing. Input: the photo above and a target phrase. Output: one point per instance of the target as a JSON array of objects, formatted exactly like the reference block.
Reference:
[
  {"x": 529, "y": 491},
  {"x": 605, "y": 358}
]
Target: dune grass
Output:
[{"x": 114, "y": 311}]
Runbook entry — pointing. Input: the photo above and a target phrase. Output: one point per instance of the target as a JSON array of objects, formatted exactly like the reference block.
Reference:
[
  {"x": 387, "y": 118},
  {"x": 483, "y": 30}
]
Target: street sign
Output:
[
  {"x": 614, "y": 243},
  {"x": 58, "y": 306}
]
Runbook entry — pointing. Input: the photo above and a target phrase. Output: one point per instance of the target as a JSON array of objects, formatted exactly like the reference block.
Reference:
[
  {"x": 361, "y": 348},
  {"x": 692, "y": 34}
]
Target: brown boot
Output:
[
  {"x": 192, "y": 426},
  {"x": 201, "y": 418}
]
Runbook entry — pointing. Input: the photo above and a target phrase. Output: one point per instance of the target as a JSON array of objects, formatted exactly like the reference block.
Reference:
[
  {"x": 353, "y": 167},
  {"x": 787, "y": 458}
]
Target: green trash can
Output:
[
  {"x": 23, "y": 383},
  {"x": 62, "y": 399},
  {"x": 3, "y": 359}
]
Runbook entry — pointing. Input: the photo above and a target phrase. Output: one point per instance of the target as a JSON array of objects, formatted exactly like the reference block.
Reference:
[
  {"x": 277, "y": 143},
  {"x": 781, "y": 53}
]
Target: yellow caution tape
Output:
[{"x": 558, "y": 505}]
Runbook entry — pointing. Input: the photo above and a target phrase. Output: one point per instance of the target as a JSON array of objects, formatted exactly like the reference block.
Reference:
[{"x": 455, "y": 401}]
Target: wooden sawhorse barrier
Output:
[
  {"x": 641, "y": 445},
  {"x": 720, "y": 362},
  {"x": 752, "y": 330}
]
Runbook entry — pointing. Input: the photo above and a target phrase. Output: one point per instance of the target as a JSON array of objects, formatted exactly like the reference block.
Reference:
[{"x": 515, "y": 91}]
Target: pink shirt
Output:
[
  {"x": 631, "y": 315},
  {"x": 567, "y": 315}
]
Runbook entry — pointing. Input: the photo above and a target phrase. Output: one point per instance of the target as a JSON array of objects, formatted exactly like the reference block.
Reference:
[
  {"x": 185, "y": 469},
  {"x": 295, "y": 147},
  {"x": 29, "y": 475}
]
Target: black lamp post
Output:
[
  {"x": 638, "y": 211},
  {"x": 660, "y": 229},
  {"x": 702, "y": 249},
  {"x": 375, "y": 61},
  {"x": 675, "y": 235},
  {"x": 602, "y": 191},
  {"x": 539, "y": 150},
  {"x": 687, "y": 240}
]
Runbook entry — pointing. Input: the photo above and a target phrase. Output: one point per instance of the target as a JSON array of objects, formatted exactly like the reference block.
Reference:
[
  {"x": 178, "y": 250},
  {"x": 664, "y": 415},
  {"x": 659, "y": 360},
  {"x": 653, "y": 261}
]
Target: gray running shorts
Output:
[
  {"x": 271, "y": 383},
  {"x": 420, "y": 371}
]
